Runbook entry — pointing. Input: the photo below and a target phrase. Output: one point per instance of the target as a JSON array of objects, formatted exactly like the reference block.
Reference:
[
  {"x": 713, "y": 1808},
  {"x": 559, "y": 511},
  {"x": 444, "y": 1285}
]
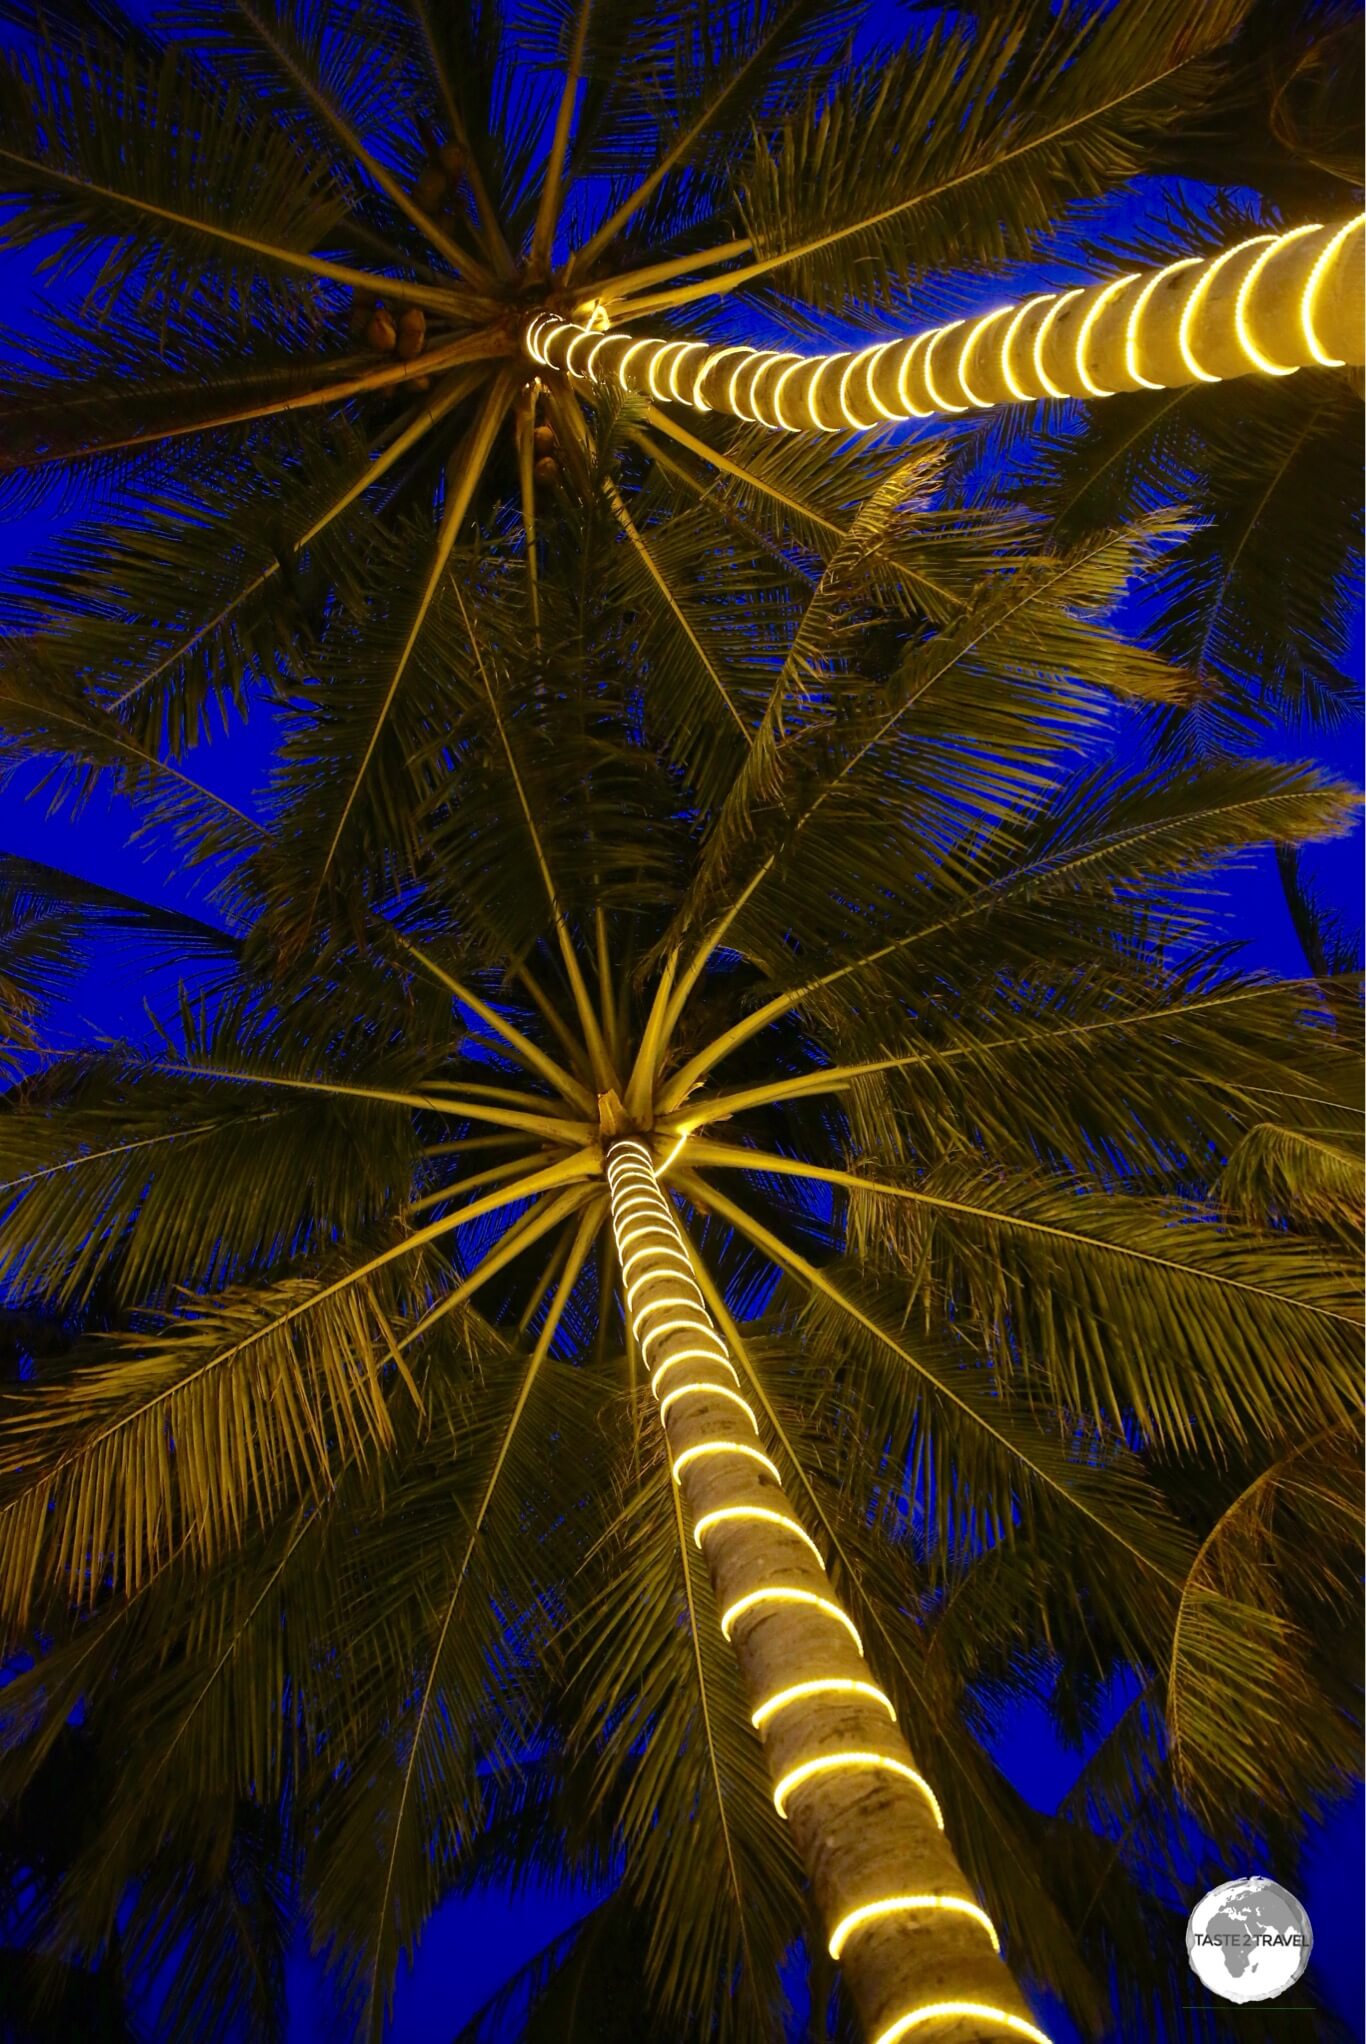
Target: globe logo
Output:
[{"x": 1249, "y": 1940}]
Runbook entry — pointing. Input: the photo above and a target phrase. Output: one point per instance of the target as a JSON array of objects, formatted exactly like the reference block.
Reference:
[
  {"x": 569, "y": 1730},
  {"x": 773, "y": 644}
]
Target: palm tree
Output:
[
  {"x": 904, "y": 1175},
  {"x": 241, "y": 195}
]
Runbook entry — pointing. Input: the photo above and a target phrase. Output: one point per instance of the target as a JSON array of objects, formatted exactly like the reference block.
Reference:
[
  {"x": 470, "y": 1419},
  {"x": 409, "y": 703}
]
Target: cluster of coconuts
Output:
[
  {"x": 404, "y": 336},
  {"x": 545, "y": 467}
]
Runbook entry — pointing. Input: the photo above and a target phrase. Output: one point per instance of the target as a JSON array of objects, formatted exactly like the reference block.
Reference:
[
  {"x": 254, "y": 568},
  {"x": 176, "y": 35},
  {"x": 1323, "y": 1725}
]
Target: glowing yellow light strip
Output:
[
  {"x": 793, "y": 362},
  {"x": 896, "y": 1905},
  {"x": 1197, "y": 299},
  {"x": 679, "y": 359},
  {"x": 833, "y": 1763},
  {"x": 825, "y": 362},
  {"x": 1139, "y": 307},
  {"x": 1008, "y": 342},
  {"x": 633, "y": 1168},
  {"x": 660, "y": 1306},
  {"x": 633, "y": 1204},
  {"x": 671, "y": 1327},
  {"x": 649, "y": 1221},
  {"x": 983, "y": 404},
  {"x": 714, "y": 362},
  {"x": 661, "y": 350},
  {"x": 939, "y": 402},
  {"x": 717, "y": 1391},
  {"x": 872, "y": 356},
  {"x": 1087, "y": 327},
  {"x": 1045, "y": 327},
  {"x": 656, "y": 1249},
  {"x": 625, "y": 362},
  {"x": 945, "y": 2011},
  {"x": 678, "y": 369},
  {"x": 778, "y": 1593},
  {"x": 854, "y": 364},
  {"x": 650, "y": 1277},
  {"x": 701, "y": 1448},
  {"x": 908, "y": 406},
  {"x": 1313, "y": 284},
  {"x": 1240, "y": 305},
  {"x": 725, "y": 1513},
  {"x": 593, "y": 354},
  {"x": 585, "y": 333},
  {"x": 732, "y": 395},
  {"x": 692, "y": 1355},
  {"x": 824, "y": 1685},
  {"x": 687, "y": 1131}
]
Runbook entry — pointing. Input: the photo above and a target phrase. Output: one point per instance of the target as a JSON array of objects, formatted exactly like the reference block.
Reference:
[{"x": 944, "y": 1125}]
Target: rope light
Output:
[
  {"x": 903, "y": 389},
  {"x": 837, "y": 1763},
  {"x": 1240, "y": 305},
  {"x": 788, "y": 392},
  {"x": 872, "y": 356},
  {"x": 726, "y": 1513},
  {"x": 896, "y": 1905},
  {"x": 701, "y": 1448},
  {"x": 826, "y": 362},
  {"x": 687, "y": 349},
  {"x": 794, "y": 362},
  {"x": 1084, "y": 331},
  {"x": 670, "y": 1326},
  {"x": 692, "y": 1355},
  {"x": 1197, "y": 297},
  {"x": 777, "y": 1593},
  {"x": 1139, "y": 308},
  {"x": 1313, "y": 284},
  {"x": 1045, "y": 326},
  {"x": 654, "y": 1276},
  {"x": 717, "y": 1391},
  {"x": 946, "y": 2011},
  {"x": 823, "y": 1685},
  {"x": 983, "y": 404},
  {"x": 1007, "y": 342},
  {"x": 941, "y": 404}
]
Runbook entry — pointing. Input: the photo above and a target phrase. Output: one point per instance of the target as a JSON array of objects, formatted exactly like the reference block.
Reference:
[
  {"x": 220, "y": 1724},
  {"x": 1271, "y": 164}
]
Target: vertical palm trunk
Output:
[{"x": 919, "y": 1955}]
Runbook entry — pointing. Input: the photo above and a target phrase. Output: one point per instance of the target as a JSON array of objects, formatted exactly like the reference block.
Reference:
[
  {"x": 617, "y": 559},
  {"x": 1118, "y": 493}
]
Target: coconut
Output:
[
  {"x": 422, "y": 383},
  {"x": 412, "y": 332},
  {"x": 430, "y": 188},
  {"x": 381, "y": 333},
  {"x": 451, "y": 157},
  {"x": 543, "y": 439},
  {"x": 547, "y": 470}
]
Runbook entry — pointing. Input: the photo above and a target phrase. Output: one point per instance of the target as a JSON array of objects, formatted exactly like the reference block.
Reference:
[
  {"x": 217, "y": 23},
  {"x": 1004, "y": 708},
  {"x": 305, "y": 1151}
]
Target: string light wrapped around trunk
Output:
[
  {"x": 920, "y": 1955},
  {"x": 1268, "y": 306}
]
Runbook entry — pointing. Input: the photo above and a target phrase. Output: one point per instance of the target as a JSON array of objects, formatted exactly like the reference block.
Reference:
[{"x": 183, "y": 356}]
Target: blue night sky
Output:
[{"x": 473, "y": 1945}]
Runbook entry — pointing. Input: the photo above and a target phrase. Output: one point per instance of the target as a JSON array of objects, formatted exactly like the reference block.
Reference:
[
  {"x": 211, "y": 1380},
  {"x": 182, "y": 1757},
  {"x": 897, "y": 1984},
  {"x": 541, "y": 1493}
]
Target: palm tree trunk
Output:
[
  {"x": 1269, "y": 305},
  {"x": 919, "y": 1955}
]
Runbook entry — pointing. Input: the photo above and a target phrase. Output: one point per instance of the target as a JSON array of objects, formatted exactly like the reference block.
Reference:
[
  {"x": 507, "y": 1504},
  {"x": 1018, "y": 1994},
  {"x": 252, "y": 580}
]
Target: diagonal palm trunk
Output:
[
  {"x": 1267, "y": 306},
  {"x": 920, "y": 1956}
]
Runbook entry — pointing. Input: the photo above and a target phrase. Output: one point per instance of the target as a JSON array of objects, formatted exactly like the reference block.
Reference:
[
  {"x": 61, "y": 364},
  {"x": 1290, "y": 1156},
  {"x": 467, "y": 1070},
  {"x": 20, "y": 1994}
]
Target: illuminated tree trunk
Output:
[
  {"x": 1270, "y": 305},
  {"x": 919, "y": 1954}
]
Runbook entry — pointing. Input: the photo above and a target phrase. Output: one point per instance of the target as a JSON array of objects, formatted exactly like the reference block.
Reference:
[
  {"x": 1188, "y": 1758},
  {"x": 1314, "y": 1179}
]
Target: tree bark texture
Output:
[
  {"x": 923, "y": 1961},
  {"x": 1267, "y": 306}
]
